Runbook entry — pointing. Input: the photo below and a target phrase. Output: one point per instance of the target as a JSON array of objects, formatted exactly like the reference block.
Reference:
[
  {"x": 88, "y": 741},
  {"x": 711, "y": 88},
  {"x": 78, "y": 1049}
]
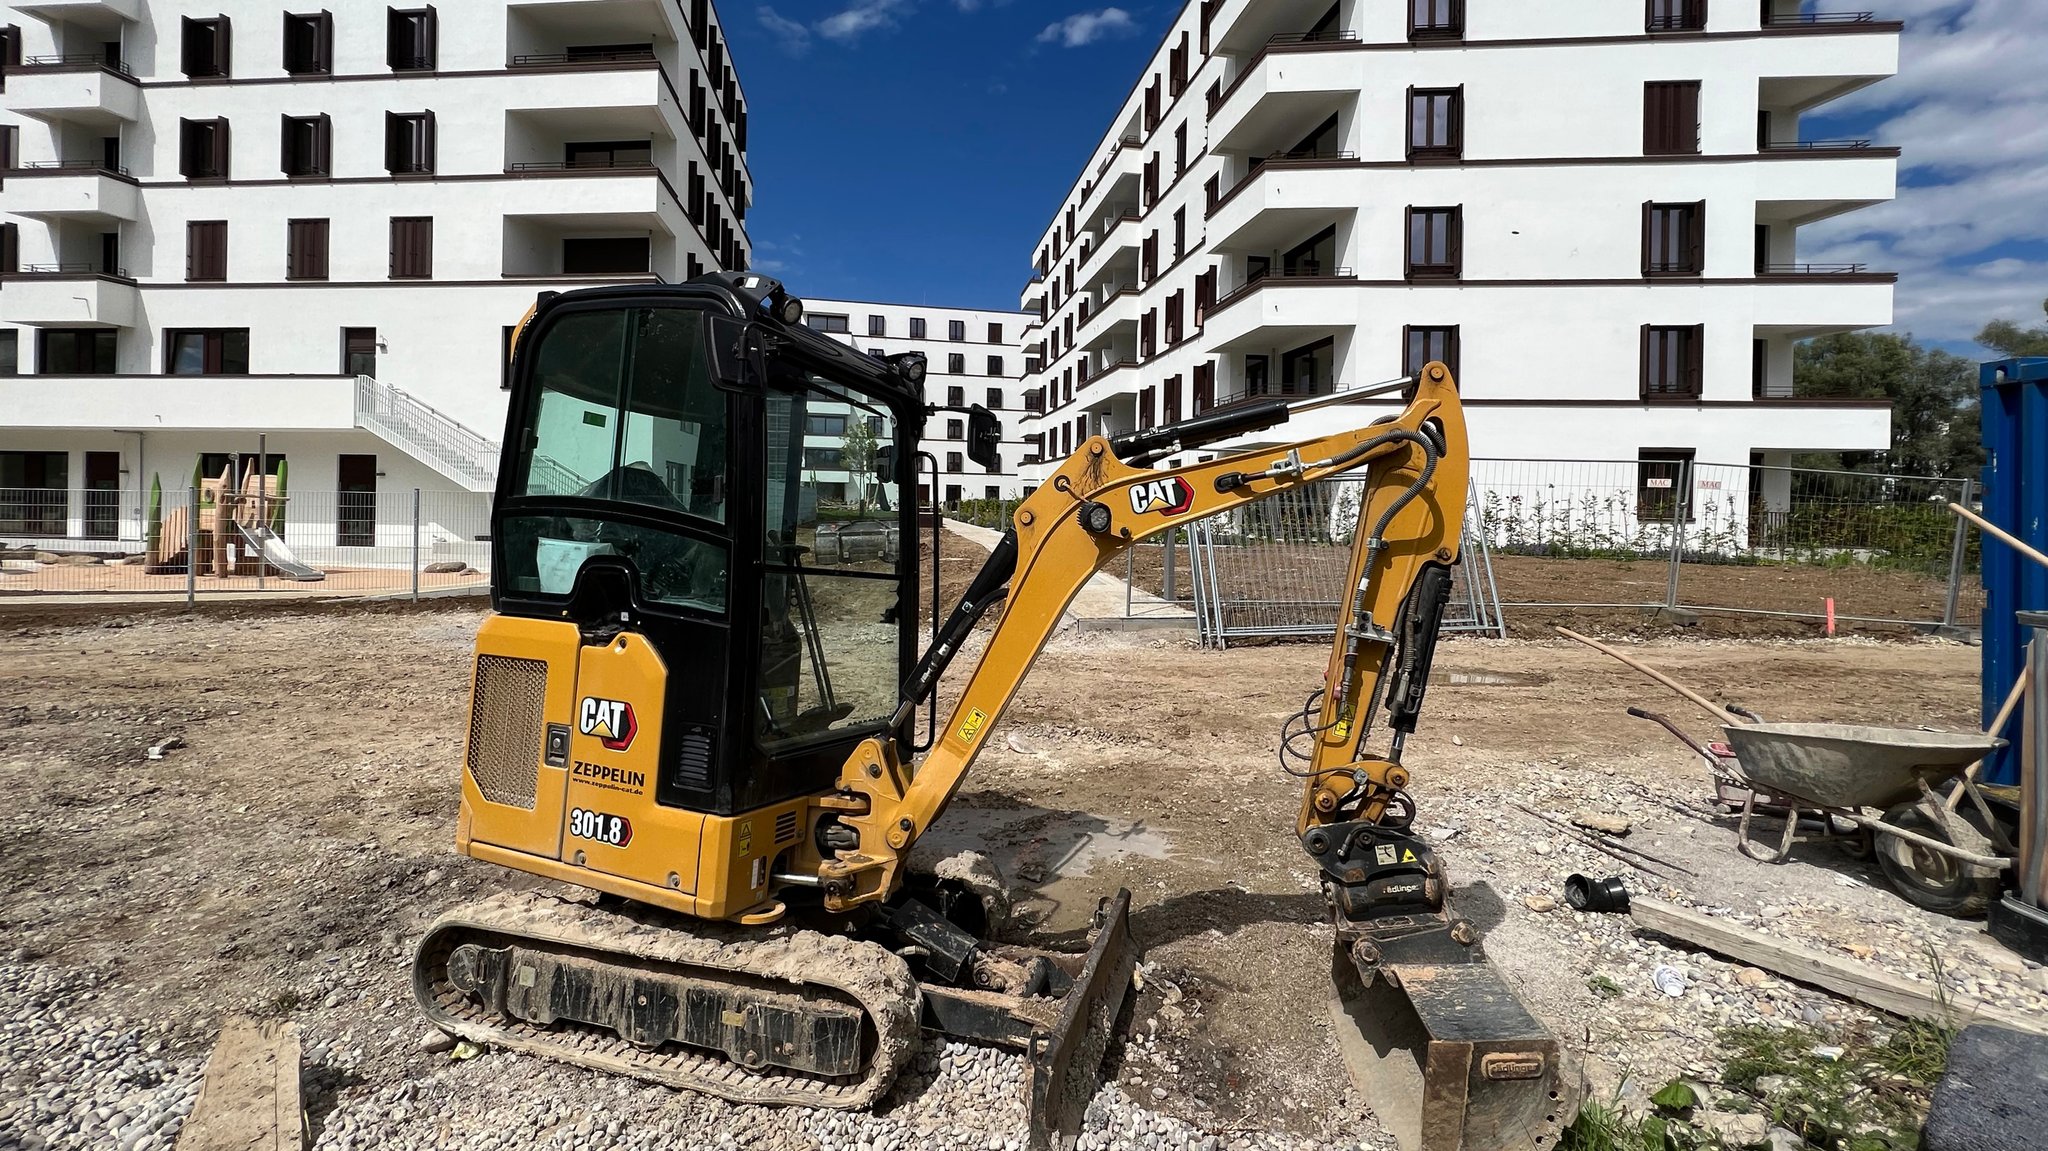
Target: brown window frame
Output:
[
  {"x": 213, "y": 353},
  {"x": 1671, "y": 117},
  {"x": 956, "y": 363},
  {"x": 1411, "y": 368},
  {"x": 206, "y": 251},
  {"x": 1674, "y": 227},
  {"x": 321, "y": 25},
  {"x": 995, "y": 366},
  {"x": 1452, "y": 265},
  {"x": 321, "y": 163},
  {"x": 995, "y": 333},
  {"x": 1442, "y": 20},
  {"x": 214, "y": 165},
  {"x": 1675, "y": 15},
  {"x": 422, "y": 51},
  {"x": 1688, "y": 361},
  {"x": 216, "y": 37},
  {"x": 956, "y": 331},
  {"x": 415, "y": 129},
  {"x": 1453, "y": 147},
  {"x": 306, "y": 249},
  {"x": 412, "y": 248}
]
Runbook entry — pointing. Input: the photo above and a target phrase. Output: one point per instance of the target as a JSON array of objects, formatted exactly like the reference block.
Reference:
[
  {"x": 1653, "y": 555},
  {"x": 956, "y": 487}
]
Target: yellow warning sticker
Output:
[
  {"x": 971, "y": 726},
  {"x": 1408, "y": 855},
  {"x": 746, "y": 838}
]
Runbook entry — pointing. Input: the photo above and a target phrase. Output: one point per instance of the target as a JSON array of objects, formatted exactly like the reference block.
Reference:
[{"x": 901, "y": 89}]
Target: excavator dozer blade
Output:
[
  {"x": 1447, "y": 1056},
  {"x": 1065, "y": 1062}
]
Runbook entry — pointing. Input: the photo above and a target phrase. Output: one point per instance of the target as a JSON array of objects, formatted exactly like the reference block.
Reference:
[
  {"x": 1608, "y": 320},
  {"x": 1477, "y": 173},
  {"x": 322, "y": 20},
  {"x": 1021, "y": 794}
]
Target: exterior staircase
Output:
[{"x": 421, "y": 431}]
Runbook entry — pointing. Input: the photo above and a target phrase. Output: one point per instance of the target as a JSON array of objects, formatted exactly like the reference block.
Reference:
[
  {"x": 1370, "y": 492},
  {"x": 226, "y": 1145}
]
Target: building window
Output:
[
  {"x": 306, "y": 145},
  {"x": 878, "y": 326},
  {"x": 10, "y": 351},
  {"x": 995, "y": 333},
  {"x": 1676, "y": 15},
  {"x": 1671, "y": 118},
  {"x": 355, "y": 521},
  {"x": 408, "y": 142},
  {"x": 1759, "y": 368},
  {"x": 956, "y": 396},
  {"x": 821, "y": 322},
  {"x": 956, "y": 364},
  {"x": 608, "y": 154},
  {"x": 206, "y": 47},
  {"x": 1436, "y": 123},
  {"x": 412, "y": 247},
  {"x": 824, "y": 425},
  {"x": 1436, "y": 19},
  {"x": 588, "y": 256},
  {"x": 1664, "y": 484},
  {"x": 953, "y": 465},
  {"x": 1436, "y": 243},
  {"x": 956, "y": 429},
  {"x": 206, "y": 352},
  {"x": 1674, "y": 239},
  {"x": 956, "y": 330},
  {"x": 359, "y": 352},
  {"x": 409, "y": 40},
  {"x": 917, "y": 327},
  {"x": 309, "y": 44},
  {"x": 992, "y": 492},
  {"x": 1423, "y": 345},
  {"x": 305, "y": 252},
  {"x": 206, "y": 250},
  {"x": 1305, "y": 371},
  {"x": 203, "y": 149},
  {"x": 1673, "y": 360},
  {"x": 75, "y": 351},
  {"x": 995, "y": 365},
  {"x": 995, "y": 398}
]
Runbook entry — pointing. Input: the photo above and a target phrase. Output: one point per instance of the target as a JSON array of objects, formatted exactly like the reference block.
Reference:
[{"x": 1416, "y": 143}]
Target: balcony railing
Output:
[
  {"x": 76, "y": 60},
  {"x": 69, "y": 166},
  {"x": 1796, "y": 19},
  {"x": 72, "y": 268},
  {"x": 1815, "y": 145},
  {"x": 616, "y": 56},
  {"x": 1218, "y": 94},
  {"x": 1305, "y": 157},
  {"x": 1303, "y": 271},
  {"x": 1096, "y": 373},
  {"x": 581, "y": 165},
  {"x": 1813, "y": 270}
]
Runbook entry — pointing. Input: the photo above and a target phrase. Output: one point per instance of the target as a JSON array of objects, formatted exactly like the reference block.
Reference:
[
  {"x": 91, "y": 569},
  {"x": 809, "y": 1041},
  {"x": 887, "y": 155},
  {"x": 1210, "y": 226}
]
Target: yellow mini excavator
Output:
[{"x": 697, "y": 701}]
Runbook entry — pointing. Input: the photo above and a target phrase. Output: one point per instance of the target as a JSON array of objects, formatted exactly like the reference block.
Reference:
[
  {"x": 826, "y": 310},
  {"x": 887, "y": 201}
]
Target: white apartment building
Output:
[
  {"x": 1589, "y": 208},
  {"x": 322, "y": 227},
  {"x": 971, "y": 357}
]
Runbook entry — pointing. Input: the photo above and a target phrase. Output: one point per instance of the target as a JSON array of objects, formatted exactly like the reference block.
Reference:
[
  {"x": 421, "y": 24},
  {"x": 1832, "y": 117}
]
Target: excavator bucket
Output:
[{"x": 1447, "y": 1056}]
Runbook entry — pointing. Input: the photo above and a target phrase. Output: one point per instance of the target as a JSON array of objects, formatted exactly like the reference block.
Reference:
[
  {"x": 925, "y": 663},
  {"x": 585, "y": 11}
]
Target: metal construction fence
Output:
[{"x": 195, "y": 543}]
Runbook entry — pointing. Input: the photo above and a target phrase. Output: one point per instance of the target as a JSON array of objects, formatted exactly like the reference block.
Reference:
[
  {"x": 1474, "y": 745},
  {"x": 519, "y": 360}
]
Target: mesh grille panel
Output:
[
  {"x": 506, "y": 724},
  {"x": 785, "y": 827}
]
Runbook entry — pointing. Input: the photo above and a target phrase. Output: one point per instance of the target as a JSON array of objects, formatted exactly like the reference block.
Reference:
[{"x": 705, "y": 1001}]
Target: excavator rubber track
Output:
[{"x": 758, "y": 1003}]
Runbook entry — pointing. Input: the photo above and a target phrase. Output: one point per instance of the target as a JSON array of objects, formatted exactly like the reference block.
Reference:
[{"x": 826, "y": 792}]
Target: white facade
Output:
[
  {"x": 568, "y": 144},
  {"x": 971, "y": 357},
  {"x": 1257, "y": 192}
]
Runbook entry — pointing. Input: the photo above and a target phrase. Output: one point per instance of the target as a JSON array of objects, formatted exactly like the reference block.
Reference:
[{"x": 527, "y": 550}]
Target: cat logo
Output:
[
  {"x": 1167, "y": 497},
  {"x": 610, "y": 720}
]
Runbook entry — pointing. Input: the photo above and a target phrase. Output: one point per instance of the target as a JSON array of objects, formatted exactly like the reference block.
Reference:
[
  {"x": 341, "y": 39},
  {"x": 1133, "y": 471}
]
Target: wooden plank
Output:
[
  {"x": 1858, "y": 981},
  {"x": 249, "y": 1100}
]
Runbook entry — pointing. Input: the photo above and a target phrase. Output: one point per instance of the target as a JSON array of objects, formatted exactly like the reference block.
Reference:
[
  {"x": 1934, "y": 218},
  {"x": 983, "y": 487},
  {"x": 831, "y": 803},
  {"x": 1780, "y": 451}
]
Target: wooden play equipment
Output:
[{"x": 236, "y": 531}]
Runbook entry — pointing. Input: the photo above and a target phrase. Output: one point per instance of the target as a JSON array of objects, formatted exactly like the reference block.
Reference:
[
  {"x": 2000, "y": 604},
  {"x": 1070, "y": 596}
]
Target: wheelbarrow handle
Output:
[{"x": 1664, "y": 722}]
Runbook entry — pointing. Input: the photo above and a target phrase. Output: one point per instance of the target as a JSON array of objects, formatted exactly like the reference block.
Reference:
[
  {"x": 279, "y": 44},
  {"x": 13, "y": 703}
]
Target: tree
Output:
[
  {"x": 1933, "y": 395},
  {"x": 2010, "y": 340},
  {"x": 858, "y": 456}
]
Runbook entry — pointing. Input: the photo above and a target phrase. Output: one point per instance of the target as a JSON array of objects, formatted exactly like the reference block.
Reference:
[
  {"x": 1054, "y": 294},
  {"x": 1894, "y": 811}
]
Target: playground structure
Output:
[{"x": 236, "y": 531}]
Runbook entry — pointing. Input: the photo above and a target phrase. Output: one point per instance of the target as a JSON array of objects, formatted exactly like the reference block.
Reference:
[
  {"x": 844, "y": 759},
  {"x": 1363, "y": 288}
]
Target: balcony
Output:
[
  {"x": 1295, "y": 80},
  {"x": 555, "y": 197},
  {"x": 1799, "y": 72},
  {"x": 1283, "y": 310},
  {"x": 70, "y": 296},
  {"x": 82, "y": 89},
  {"x": 1240, "y": 27},
  {"x": 203, "y": 403},
  {"x": 1798, "y": 185},
  {"x": 1817, "y": 19},
  {"x": 50, "y": 189},
  {"x": 1283, "y": 199},
  {"x": 1116, "y": 316},
  {"x": 1816, "y": 303},
  {"x": 91, "y": 13}
]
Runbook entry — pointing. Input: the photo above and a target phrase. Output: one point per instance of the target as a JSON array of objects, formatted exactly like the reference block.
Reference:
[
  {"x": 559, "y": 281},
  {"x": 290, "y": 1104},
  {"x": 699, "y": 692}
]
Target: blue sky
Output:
[{"x": 912, "y": 150}]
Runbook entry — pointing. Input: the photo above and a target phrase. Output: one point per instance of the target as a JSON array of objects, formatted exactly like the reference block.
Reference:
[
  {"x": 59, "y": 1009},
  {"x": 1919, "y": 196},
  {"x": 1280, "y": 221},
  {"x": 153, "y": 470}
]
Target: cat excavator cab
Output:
[{"x": 696, "y": 704}]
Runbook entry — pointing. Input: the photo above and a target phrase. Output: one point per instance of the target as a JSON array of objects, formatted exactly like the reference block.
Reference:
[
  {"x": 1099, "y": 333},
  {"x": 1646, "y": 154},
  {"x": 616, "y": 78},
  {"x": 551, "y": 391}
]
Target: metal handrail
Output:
[
  {"x": 1785, "y": 19},
  {"x": 1813, "y": 269},
  {"x": 424, "y": 431},
  {"x": 1252, "y": 283},
  {"x": 77, "y": 60},
  {"x": 581, "y": 165},
  {"x": 69, "y": 166},
  {"x": 1814, "y": 145},
  {"x": 537, "y": 59},
  {"x": 71, "y": 268},
  {"x": 1327, "y": 36}
]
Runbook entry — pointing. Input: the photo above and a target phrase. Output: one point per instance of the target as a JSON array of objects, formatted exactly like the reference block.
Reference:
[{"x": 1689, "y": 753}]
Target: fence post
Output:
[
  {"x": 192, "y": 548},
  {"x": 415, "y": 545},
  {"x": 1680, "y": 496},
  {"x": 1166, "y": 588},
  {"x": 1130, "y": 572},
  {"x": 1955, "y": 558}
]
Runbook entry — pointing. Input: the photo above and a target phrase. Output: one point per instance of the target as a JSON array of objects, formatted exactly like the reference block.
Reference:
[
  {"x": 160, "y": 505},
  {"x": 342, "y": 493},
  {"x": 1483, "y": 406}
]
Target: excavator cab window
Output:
[
  {"x": 834, "y": 565},
  {"x": 624, "y": 410}
]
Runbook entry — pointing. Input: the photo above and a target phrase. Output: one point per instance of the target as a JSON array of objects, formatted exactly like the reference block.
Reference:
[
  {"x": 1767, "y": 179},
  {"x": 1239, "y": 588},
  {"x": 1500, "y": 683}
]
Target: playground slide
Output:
[{"x": 276, "y": 554}]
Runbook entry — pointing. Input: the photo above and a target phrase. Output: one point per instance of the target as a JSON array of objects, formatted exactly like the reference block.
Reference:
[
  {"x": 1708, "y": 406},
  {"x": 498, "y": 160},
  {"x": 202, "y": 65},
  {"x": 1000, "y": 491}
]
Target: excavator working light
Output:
[
  {"x": 791, "y": 310},
  {"x": 911, "y": 365}
]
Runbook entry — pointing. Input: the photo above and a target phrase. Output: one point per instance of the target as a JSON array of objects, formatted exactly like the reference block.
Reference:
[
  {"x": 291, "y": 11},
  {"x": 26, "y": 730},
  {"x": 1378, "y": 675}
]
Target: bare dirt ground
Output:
[{"x": 287, "y": 855}]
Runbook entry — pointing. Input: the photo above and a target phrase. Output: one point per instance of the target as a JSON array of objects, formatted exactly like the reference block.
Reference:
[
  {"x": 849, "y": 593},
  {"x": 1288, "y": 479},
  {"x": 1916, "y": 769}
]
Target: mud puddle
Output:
[{"x": 1043, "y": 854}]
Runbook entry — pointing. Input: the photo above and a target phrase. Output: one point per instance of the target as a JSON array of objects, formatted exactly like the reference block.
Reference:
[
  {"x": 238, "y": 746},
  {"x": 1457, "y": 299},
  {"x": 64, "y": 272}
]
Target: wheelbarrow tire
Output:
[{"x": 1929, "y": 879}]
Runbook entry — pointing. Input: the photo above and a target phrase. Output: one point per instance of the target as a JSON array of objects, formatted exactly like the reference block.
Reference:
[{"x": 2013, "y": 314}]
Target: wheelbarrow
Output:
[{"x": 1934, "y": 855}]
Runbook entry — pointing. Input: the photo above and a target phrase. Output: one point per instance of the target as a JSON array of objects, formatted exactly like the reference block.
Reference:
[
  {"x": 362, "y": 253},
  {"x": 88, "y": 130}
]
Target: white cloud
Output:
[
  {"x": 1087, "y": 27},
  {"x": 792, "y": 35},
  {"x": 862, "y": 16},
  {"x": 1975, "y": 152}
]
